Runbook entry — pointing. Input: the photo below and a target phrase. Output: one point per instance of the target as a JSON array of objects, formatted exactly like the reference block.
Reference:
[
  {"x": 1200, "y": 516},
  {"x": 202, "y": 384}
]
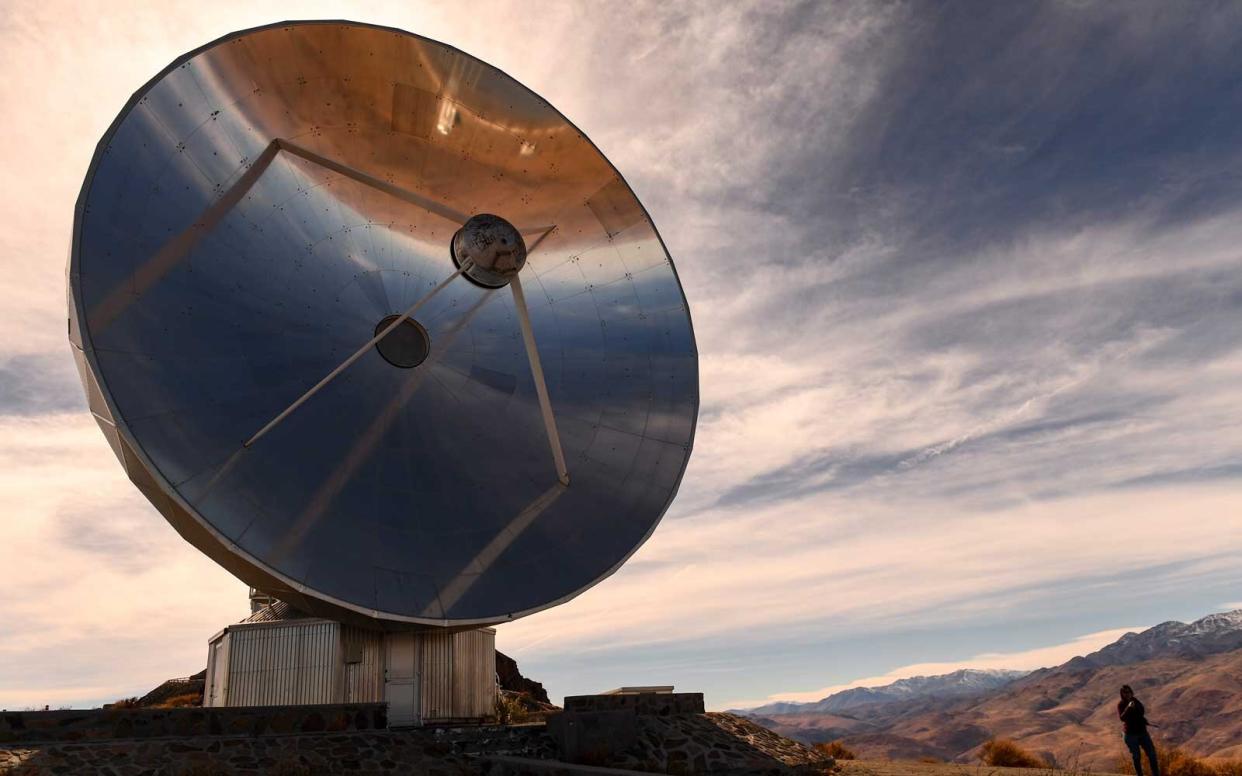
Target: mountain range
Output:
[
  {"x": 958, "y": 684},
  {"x": 1188, "y": 675}
]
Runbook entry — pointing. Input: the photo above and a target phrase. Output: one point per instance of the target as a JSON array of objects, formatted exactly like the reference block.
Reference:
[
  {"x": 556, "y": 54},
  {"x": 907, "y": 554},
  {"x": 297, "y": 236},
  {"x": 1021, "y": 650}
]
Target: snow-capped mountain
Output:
[
  {"x": 1209, "y": 635},
  {"x": 958, "y": 684}
]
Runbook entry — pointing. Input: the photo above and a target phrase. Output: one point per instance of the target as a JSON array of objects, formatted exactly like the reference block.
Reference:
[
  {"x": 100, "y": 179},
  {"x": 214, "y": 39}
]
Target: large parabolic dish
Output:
[{"x": 271, "y": 202}]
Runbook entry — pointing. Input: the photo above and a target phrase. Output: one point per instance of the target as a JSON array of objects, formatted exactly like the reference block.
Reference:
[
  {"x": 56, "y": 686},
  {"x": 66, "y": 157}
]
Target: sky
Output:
[{"x": 966, "y": 280}]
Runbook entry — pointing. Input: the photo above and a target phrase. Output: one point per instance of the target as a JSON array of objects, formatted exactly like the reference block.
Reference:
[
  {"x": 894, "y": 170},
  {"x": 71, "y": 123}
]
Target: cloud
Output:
[
  {"x": 830, "y": 565},
  {"x": 1031, "y": 409},
  {"x": 101, "y": 597},
  {"x": 112, "y": 532},
  {"x": 39, "y": 383},
  {"x": 1023, "y": 660}
]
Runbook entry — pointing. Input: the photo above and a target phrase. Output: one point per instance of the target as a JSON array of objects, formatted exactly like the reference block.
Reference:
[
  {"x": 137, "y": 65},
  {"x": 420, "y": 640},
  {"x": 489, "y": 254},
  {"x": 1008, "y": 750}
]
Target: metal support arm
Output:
[
  {"x": 541, "y": 387},
  {"x": 357, "y": 355}
]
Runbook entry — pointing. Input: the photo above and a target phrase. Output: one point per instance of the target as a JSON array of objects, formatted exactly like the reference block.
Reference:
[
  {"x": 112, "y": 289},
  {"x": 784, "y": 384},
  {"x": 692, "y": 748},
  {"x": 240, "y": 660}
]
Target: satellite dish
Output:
[{"x": 379, "y": 330}]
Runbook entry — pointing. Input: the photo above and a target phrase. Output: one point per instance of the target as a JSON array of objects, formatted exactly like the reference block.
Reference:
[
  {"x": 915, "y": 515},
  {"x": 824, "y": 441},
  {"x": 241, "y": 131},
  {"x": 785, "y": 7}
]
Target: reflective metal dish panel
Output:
[{"x": 256, "y": 211}]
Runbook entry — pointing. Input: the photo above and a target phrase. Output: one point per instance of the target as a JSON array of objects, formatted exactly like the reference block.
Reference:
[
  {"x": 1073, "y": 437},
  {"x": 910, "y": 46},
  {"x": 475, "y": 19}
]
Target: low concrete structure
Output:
[
  {"x": 656, "y": 688},
  {"x": 652, "y": 704}
]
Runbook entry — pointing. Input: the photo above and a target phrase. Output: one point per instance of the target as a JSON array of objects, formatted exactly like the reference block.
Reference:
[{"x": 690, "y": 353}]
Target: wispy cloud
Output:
[
  {"x": 101, "y": 597},
  {"x": 823, "y": 565},
  {"x": 39, "y": 383}
]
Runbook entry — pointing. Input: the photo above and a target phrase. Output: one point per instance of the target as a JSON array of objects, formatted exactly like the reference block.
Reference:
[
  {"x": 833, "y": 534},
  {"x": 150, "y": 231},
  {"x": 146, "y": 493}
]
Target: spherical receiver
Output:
[{"x": 492, "y": 249}]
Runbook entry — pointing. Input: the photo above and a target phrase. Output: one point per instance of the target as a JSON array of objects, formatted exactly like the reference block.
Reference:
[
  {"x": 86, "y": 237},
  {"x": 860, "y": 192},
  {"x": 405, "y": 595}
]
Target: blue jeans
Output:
[{"x": 1135, "y": 741}]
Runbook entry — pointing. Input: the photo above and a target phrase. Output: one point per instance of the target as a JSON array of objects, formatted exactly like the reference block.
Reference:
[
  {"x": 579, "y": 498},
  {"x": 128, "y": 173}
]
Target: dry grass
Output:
[
  {"x": 124, "y": 703},
  {"x": 181, "y": 701},
  {"x": 1004, "y": 753},
  {"x": 1175, "y": 762},
  {"x": 510, "y": 710},
  {"x": 922, "y": 768},
  {"x": 836, "y": 750},
  {"x": 1227, "y": 767}
]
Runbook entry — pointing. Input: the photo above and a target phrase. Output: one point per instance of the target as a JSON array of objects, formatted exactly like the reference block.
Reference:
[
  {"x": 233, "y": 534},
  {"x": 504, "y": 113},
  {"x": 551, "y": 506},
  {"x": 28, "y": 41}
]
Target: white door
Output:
[
  {"x": 401, "y": 679},
  {"x": 217, "y": 692}
]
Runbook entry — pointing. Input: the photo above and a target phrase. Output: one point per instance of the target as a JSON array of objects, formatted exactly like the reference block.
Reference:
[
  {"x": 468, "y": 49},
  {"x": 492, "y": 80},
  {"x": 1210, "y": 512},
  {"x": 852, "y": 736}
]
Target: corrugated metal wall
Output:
[
  {"x": 474, "y": 673},
  {"x": 363, "y": 654},
  {"x": 437, "y": 675},
  {"x": 279, "y": 664},
  {"x": 458, "y": 674},
  {"x": 318, "y": 661}
]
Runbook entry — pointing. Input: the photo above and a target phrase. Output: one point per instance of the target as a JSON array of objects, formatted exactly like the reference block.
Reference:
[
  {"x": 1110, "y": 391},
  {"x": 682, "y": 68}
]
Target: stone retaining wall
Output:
[
  {"x": 99, "y": 724},
  {"x": 433, "y": 751}
]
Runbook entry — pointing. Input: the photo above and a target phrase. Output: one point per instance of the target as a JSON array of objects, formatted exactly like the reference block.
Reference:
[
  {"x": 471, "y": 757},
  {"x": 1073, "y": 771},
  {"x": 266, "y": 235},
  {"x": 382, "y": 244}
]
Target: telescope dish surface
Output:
[{"x": 270, "y": 204}]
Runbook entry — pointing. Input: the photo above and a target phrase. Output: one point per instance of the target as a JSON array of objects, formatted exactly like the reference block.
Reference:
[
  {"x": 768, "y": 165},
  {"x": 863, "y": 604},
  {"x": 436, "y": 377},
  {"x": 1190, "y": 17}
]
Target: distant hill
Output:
[{"x": 1188, "y": 675}]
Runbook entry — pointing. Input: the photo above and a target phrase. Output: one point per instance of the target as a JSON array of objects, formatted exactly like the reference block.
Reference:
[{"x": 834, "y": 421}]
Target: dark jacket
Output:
[{"x": 1132, "y": 716}]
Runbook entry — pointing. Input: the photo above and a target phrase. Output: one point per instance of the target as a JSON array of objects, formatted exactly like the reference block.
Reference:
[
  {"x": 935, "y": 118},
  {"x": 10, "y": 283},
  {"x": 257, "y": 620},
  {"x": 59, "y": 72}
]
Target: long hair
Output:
[{"x": 1126, "y": 688}]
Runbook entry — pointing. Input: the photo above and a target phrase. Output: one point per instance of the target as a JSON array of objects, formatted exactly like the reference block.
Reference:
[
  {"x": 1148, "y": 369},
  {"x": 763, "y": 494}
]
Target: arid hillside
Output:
[
  {"x": 1189, "y": 677},
  {"x": 1071, "y": 715}
]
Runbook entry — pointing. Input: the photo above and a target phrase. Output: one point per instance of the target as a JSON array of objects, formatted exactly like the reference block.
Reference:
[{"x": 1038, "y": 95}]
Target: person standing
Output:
[{"x": 1134, "y": 723}]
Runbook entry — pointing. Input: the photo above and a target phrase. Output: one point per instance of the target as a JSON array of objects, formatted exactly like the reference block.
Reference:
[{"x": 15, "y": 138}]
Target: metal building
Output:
[{"x": 279, "y": 656}]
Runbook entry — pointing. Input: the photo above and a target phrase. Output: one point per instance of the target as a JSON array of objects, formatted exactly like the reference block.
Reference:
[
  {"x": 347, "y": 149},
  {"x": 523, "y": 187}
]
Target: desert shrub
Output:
[
  {"x": 1187, "y": 765},
  {"x": 837, "y": 750},
  {"x": 927, "y": 758},
  {"x": 124, "y": 703},
  {"x": 1004, "y": 753},
  {"x": 181, "y": 701},
  {"x": 510, "y": 710}
]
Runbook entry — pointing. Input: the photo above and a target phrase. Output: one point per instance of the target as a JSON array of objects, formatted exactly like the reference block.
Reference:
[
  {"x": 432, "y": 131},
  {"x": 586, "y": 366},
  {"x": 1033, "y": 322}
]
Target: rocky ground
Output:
[{"x": 717, "y": 743}]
